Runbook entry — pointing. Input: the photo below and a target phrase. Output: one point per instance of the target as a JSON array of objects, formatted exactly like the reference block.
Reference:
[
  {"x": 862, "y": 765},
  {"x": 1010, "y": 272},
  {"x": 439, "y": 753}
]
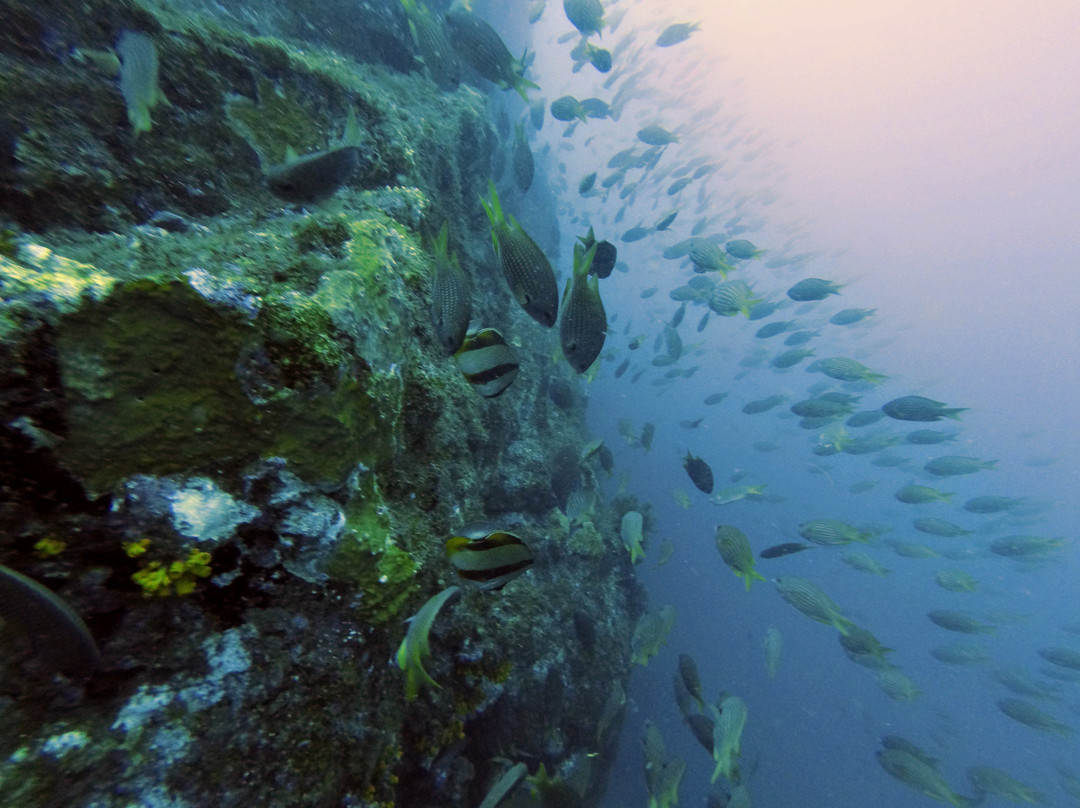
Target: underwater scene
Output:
[{"x": 539, "y": 404}]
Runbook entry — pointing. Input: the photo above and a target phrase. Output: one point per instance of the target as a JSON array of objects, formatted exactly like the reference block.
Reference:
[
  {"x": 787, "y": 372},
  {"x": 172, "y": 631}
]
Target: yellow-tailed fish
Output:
[
  {"x": 583, "y": 322},
  {"x": 632, "y": 536},
  {"x": 414, "y": 648},
  {"x": 527, "y": 270},
  {"x": 735, "y": 550},
  {"x": 451, "y": 306}
]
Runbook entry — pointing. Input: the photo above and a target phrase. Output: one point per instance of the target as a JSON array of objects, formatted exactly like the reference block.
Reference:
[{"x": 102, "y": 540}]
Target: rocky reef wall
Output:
[{"x": 230, "y": 440}]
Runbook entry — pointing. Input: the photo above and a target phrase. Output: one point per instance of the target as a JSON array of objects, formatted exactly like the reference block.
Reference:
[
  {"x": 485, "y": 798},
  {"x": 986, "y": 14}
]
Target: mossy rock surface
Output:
[{"x": 154, "y": 380}]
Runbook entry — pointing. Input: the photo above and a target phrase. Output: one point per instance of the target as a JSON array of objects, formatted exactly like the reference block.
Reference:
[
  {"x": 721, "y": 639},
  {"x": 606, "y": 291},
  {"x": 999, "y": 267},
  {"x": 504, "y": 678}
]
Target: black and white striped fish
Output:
[
  {"x": 487, "y": 362},
  {"x": 492, "y": 561}
]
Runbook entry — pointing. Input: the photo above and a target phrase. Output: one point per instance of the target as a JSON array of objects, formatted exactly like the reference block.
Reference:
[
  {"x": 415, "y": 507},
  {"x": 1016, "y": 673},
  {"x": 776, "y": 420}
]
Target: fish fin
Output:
[
  {"x": 408, "y": 660},
  {"x": 290, "y": 155},
  {"x": 521, "y": 84},
  {"x": 494, "y": 214}
]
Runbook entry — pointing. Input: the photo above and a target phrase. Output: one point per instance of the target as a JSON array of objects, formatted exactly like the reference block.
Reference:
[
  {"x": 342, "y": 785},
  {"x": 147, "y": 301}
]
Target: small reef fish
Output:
[
  {"x": 992, "y": 504},
  {"x": 864, "y": 563},
  {"x": 567, "y": 108},
  {"x": 774, "y": 328},
  {"x": 920, "y": 494},
  {"x": 314, "y": 177},
  {"x": 536, "y": 114},
  {"x": 699, "y": 472},
  {"x": 831, "y": 532},
  {"x": 587, "y": 183},
  {"x": 962, "y": 623},
  {"x": 586, "y": 53},
  {"x": 920, "y": 776},
  {"x": 808, "y": 598},
  {"x": 139, "y": 78},
  {"x": 492, "y": 561},
  {"x": 674, "y": 34},
  {"x": 480, "y": 45},
  {"x": 630, "y": 530},
  {"x": 451, "y": 305},
  {"x": 787, "y": 548},
  {"x": 636, "y": 233},
  {"x": 708, "y": 256},
  {"x": 648, "y": 430},
  {"x": 1027, "y": 713},
  {"x": 504, "y": 785},
  {"x": 919, "y": 408},
  {"x": 656, "y": 135},
  {"x": 929, "y": 437},
  {"x": 688, "y": 673},
  {"x": 847, "y": 370},
  {"x": 583, "y": 322},
  {"x": 791, "y": 357},
  {"x": 731, "y": 298},
  {"x": 742, "y": 249},
  {"x": 604, "y": 259},
  {"x": 665, "y": 221},
  {"x": 527, "y": 270},
  {"x": 522, "y": 159},
  {"x": 956, "y": 581},
  {"x": 429, "y": 36},
  {"x": 952, "y": 465},
  {"x": 735, "y": 493},
  {"x": 813, "y": 289},
  {"x": 933, "y": 526},
  {"x": 987, "y": 780},
  {"x": 487, "y": 362},
  {"x": 650, "y": 633},
  {"x": 735, "y": 551},
  {"x": 774, "y": 645},
  {"x": 585, "y": 15},
  {"x": 415, "y": 647},
  {"x": 729, "y": 719},
  {"x": 851, "y": 316}
]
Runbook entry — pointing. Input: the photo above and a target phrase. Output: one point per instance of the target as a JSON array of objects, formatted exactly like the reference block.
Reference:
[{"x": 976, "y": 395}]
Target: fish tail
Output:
[
  {"x": 717, "y": 771},
  {"x": 842, "y": 624},
  {"x": 522, "y": 85},
  {"x": 583, "y": 260},
  {"x": 953, "y": 412},
  {"x": 495, "y": 215}
]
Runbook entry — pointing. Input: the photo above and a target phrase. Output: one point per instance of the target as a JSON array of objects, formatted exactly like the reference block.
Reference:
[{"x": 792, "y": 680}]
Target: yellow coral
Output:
[
  {"x": 179, "y": 577},
  {"x": 135, "y": 548},
  {"x": 49, "y": 547}
]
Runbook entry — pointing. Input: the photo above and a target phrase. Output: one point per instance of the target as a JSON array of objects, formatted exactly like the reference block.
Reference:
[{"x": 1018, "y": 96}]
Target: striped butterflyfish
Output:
[
  {"x": 491, "y": 561},
  {"x": 487, "y": 362}
]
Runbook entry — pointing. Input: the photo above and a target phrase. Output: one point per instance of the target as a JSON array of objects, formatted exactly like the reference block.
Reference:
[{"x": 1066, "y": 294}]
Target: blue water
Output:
[{"x": 973, "y": 311}]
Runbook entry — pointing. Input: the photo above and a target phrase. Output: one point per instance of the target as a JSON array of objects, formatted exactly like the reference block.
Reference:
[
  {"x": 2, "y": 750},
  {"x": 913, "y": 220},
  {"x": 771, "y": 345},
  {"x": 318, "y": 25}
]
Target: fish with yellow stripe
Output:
[
  {"x": 491, "y": 561},
  {"x": 487, "y": 362}
]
